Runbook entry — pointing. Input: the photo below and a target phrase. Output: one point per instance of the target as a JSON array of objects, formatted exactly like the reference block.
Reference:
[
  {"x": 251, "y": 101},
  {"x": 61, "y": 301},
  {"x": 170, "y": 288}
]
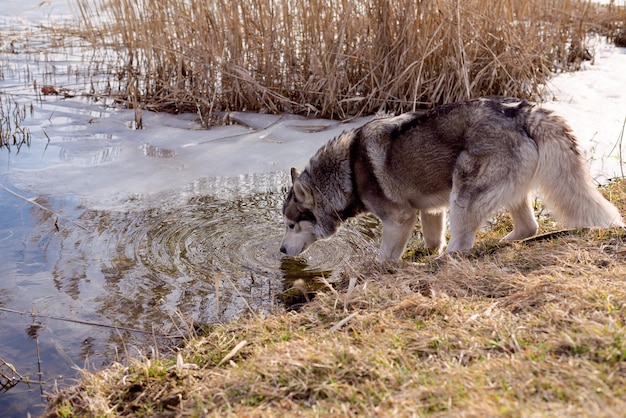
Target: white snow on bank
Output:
[{"x": 593, "y": 101}]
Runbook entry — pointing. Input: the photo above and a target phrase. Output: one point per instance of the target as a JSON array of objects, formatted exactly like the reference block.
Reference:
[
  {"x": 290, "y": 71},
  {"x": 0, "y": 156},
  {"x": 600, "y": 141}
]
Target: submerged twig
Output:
[
  {"x": 39, "y": 372},
  {"x": 95, "y": 324},
  {"x": 217, "y": 295},
  {"x": 31, "y": 201},
  {"x": 8, "y": 380}
]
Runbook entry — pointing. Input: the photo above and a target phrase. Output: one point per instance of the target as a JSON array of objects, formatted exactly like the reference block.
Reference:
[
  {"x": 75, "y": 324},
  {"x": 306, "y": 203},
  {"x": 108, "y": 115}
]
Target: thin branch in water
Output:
[
  {"x": 31, "y": 201},
  {"x": 95, "y": 324},
  {"x": 9, "y": 378}
]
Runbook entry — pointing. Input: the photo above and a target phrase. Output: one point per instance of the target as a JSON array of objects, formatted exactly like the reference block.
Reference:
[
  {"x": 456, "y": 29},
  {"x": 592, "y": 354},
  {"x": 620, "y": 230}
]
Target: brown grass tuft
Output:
[{"x": 338, "y": 58}]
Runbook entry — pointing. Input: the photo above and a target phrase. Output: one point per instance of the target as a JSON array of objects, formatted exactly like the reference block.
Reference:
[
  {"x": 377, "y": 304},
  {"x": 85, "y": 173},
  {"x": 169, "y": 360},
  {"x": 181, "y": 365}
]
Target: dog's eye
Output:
[{"x": 291, "y": 226}]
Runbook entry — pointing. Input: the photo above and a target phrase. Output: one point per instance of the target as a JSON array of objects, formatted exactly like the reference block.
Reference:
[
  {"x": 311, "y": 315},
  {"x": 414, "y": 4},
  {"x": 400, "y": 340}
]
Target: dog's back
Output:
[{"x": 413, "y": 156}]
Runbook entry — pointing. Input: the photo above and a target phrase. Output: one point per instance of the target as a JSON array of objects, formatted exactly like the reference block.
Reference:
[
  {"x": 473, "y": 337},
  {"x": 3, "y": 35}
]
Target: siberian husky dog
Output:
[{"x": 473, "y": 157}]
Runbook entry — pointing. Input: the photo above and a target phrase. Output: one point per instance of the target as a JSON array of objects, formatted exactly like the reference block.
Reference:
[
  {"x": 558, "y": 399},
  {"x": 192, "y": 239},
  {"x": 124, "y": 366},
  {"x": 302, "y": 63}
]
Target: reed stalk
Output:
[{"x": 340, "y": 58}]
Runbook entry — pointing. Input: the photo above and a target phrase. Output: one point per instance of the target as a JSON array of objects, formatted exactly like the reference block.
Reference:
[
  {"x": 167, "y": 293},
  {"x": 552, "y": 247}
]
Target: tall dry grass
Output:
[{"x": 338, "y": 58}]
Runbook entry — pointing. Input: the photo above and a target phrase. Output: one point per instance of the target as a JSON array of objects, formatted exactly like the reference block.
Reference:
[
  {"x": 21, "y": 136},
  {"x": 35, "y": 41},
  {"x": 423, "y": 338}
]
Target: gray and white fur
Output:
[{"x": 473, "y": 157}]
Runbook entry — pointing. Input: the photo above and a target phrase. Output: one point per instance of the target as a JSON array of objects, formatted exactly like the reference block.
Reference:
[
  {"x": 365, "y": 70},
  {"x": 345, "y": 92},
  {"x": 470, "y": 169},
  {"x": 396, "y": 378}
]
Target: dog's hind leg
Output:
[
  {"x": 480, "y": 187},
  {"x": 433, "y": 229},
  {"x": 495, "y": 171},
  {"x": 397, "y": 229},
  {"x": 524, "y": 222},
  {"x": 469, "y": 204}
]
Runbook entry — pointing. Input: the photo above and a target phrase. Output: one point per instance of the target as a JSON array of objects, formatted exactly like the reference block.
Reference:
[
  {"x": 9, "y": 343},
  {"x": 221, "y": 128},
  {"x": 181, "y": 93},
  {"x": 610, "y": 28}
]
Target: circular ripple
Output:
[
  {"x": 205, "y": 253},
  {"x": 235, "y": 237}
]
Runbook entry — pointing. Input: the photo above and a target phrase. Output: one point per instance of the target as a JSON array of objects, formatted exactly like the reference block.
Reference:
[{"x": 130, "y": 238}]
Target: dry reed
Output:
[
  {"x": 338, "y": 58},
  {"x": 12, "y": 116}
]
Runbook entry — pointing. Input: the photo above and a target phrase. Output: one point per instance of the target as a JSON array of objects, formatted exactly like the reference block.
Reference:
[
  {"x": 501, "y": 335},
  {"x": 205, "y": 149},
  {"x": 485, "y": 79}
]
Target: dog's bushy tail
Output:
[{"x": 562, "y": 175}]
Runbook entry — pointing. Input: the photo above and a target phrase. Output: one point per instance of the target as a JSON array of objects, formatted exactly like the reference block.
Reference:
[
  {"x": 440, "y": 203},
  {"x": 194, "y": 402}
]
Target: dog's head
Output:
[
  {"x": 299, "y": 217},
  {"x": 305, "y": 215}
]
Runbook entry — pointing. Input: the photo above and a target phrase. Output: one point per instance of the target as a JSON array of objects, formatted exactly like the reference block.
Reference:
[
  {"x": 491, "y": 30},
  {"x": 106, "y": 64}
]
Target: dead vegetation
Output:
[
  {"x": 12, "y": 131},
  {"x": 525, "y": 329},
  {"x": 338, "y": 58}
]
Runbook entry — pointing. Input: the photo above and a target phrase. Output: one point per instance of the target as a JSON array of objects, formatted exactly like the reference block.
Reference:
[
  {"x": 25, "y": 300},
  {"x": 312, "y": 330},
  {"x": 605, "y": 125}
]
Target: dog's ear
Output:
[
  {"x": 302, "y": 193},
  {"x": 294, "y": 174}
]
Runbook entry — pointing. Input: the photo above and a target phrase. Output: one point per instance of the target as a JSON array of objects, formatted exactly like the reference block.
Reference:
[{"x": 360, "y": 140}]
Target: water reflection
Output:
[
  {"x": 100, "y": 156},
  {"x": 205, "y": 253},
  {"x": 213, "y": 259},
  {"x": 157, "y": 152},
  {"x": 209, "y": 251}
]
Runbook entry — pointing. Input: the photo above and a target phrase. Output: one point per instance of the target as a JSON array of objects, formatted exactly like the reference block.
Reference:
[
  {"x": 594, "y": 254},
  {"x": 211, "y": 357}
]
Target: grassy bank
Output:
[
  {"x": 337, "y": 58},
  {"x": 536, "y": 328}
]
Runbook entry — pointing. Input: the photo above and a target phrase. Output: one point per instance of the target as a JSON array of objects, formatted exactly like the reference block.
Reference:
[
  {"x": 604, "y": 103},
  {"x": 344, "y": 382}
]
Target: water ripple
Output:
[{"x": 217, "y": 257}]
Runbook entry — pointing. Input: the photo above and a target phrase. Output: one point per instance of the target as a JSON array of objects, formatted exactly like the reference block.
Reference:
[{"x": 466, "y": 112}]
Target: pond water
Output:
[{"x": 112, "y": 238}]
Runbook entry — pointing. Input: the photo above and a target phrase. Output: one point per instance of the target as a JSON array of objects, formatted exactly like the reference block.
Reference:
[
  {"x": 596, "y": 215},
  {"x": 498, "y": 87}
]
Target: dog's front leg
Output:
[{"x": 397, "y": 228}]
